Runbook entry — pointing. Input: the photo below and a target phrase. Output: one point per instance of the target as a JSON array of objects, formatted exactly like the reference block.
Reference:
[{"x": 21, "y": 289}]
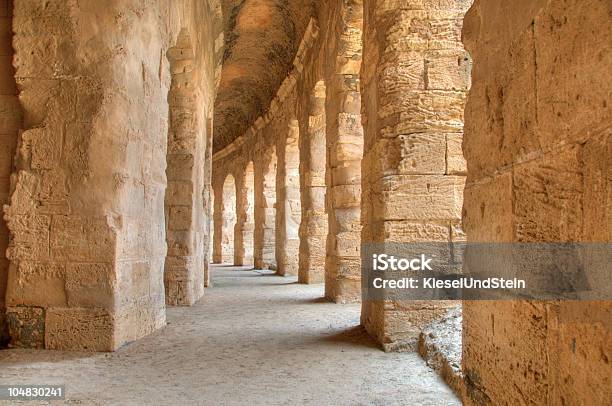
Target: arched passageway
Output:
[{"x": 355, "y": 136}]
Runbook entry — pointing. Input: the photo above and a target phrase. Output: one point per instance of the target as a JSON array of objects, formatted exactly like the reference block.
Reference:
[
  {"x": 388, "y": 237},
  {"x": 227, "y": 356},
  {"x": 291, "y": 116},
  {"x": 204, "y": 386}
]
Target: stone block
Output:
[
  {"x": 180, "y": 167},
  {"x": 415, "y": 197},
  {"x": 90, "y": 285},
  {"x": 179, "y": 193},
  {"x": 346, "y": 195},
  {"x": 423, "y": 154},
  {"x": 26, "y": 326},
  {"x": 180, "y": 218},
  {"x": 549, "y": 191},
  {"x": 448, "y": 70},
  {"x": 79, "y": 330},
  {"x": 37, "y": 284},
  {"x": 180, "y": 243},
  {"x": 422, "y": 111},
  {"x": 75, "y": 238},
  {"x": 30, "y": 237},
  {"x": 414, "y": 232}
]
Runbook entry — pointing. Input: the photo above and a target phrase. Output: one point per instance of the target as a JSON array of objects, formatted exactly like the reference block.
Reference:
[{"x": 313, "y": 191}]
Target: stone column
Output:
[
  {"x": 217, "y": 219},
  {"x": 86, "y": 212},
  {"x": 245, "y": 225},
  {"x": 313, "y": 225},
  {"x": 265, "y": 211},
  {"x": 415, "y": 75},
  {"x": 208, "y": 200},
  {"x": 538, "y": 146},
  {"x": 183, "y": 276},
  {"x": 288, "y": 211},
  {"x": 345, "y": 150}
]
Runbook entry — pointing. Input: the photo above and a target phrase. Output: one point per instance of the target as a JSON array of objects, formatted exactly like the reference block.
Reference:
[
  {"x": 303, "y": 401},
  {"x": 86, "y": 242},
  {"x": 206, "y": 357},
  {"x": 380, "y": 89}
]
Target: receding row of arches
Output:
[{"x": 272, "y": 231}]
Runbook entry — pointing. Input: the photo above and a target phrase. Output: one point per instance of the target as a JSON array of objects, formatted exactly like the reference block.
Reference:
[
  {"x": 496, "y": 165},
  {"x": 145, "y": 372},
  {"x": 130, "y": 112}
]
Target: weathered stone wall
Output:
[
  {"x": 414, "y": 79},
  {"x": 10, "y": 123},
  {"x": 538, "y": 146},
  {"x": 86, "y": 213}
]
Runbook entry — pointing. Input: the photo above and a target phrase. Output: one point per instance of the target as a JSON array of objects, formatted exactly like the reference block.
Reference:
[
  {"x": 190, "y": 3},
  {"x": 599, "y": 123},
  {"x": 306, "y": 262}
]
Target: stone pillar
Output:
[
  {"x": 217, "y": 220},
  {"x": 288, "y": 210},
  {"x": 345, "y": 150},
  {"x": 86, "y": 212},
  {"x": 415, "y": 75},
  {"x": 245, "y": 224},
  {"x": 265, "y": 210},
  {"x": 538, "y": 147},
  {"x": 183, "y": 276},
  {"x": 10, "y": 123},
  {"x": 208, "y": 200},
  {"x": 313, "y": 225}
]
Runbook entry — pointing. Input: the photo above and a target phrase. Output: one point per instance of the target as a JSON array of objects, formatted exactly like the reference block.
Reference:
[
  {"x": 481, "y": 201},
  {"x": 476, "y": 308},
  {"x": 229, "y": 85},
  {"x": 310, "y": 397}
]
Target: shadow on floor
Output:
[{"x": 355, "y": 335}]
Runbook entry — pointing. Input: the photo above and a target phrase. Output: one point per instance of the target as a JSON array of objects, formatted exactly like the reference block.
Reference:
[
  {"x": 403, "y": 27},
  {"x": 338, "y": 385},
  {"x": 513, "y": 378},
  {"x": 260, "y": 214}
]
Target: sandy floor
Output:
[{"x": 255, "y": 339}]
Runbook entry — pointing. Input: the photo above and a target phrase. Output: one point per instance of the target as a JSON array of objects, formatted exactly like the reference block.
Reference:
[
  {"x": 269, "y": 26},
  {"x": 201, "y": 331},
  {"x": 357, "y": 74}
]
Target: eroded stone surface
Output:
[
  {"x": 538, "y": 147},
  {"x": 414, "y": 79},
  {"x": 100, "y": 87},
  {"x": 440, "y": 346}
]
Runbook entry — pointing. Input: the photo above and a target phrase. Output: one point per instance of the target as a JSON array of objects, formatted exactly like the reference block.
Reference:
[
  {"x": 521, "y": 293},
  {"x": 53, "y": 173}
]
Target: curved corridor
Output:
[{"x": 255, "y": 339}]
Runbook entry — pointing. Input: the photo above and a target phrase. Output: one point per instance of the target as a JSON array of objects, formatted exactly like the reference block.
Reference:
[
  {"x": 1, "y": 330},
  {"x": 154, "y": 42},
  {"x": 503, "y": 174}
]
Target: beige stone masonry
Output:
[
  {"x": 415, "y": 76},
  {"x": 538, "y": 146},
  {"x": 86, "y": 212}
]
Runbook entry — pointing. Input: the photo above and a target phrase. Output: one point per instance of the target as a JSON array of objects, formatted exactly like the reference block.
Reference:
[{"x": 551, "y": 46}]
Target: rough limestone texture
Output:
[
  {"x": 344, "y": 139},
  {"x": 186, "y": 160},
  {"x": 538, "y": 145},
  {"x": 10, "y": 123},
  {"x": 415, "y": 75},
  {"x": 313, "y": 223},
  {"x": 86, "y": 210},
  {"x": 288, "y": 201}
]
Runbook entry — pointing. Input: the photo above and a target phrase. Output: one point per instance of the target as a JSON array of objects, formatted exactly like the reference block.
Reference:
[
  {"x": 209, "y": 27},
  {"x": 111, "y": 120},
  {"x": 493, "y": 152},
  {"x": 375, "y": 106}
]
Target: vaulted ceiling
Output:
[{"x": 261, "y": 39}]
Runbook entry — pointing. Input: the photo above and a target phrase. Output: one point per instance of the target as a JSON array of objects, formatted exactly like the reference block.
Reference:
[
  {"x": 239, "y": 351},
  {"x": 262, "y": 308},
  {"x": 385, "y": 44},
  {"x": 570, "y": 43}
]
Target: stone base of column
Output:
[
  {"x": 77, "y": 329},
  {"x": 343, "y": 279},
  {"x": 311, "y": 275},
  {"x": 184, "y": 284},
  {"x": 396, "y": 326}
]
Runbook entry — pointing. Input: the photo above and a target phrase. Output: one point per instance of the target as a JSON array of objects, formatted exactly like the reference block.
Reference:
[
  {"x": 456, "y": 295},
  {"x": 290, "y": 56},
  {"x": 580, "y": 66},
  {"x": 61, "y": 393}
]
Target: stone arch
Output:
[
  {"x": 185, "y": 260},
  {"x": 228, "y": 220},
  {"x": 245, "y": 225},
  {"x": 313, "y": 225},
  {"x": 288, "y": 207},
  {"x": 265, "y": 209}
]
